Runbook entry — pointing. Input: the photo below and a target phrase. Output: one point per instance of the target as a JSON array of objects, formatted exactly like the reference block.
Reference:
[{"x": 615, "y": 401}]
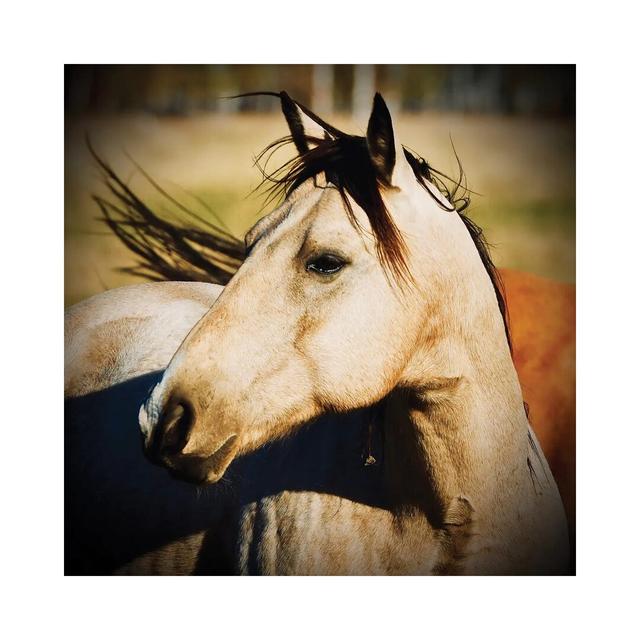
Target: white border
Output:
[{"x": 41, "y": 38}]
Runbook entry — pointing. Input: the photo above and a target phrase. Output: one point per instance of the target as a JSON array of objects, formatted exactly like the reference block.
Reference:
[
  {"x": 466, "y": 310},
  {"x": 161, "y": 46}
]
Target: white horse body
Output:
[
  {"x": 116, "y": 344},
  {"x": 128, "y": 332}
]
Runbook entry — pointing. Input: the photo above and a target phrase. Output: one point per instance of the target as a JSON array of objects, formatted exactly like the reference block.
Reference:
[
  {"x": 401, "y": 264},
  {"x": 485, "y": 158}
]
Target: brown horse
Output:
[{"x": 543, "y": 336}]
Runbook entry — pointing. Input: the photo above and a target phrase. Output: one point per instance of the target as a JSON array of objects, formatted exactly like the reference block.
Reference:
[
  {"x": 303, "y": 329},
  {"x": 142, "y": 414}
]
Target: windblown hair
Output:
[
  {"x": 199, "y": 251},
  {"x": 202, "y": 251}
]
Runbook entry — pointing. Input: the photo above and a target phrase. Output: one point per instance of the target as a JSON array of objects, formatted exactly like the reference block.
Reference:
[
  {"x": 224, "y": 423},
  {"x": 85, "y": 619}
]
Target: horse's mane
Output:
[
  {"x": 202, "y": 251},
  {"x": 195, "y": 251}
]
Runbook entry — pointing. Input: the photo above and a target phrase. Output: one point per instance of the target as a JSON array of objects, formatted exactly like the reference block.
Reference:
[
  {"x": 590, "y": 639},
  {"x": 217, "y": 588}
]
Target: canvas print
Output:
[{"x": 319, "y": 319}]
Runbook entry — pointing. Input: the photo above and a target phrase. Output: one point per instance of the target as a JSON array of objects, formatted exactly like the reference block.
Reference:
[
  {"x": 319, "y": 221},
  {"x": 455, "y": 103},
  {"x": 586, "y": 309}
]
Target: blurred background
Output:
[{"x": 513, "y": 127}]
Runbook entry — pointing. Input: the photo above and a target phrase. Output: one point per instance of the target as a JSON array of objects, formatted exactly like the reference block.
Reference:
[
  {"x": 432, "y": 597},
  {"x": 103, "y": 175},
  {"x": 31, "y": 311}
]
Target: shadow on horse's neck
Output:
[{"x": 328, "y": 455}]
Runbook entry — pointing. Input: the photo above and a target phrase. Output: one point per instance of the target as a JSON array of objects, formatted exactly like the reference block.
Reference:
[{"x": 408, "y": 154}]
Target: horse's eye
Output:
[{"x": 326, "y": 264}]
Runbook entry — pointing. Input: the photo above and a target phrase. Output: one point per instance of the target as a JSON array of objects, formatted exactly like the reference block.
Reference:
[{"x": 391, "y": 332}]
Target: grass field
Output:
[{"x": 523, "y": 168}]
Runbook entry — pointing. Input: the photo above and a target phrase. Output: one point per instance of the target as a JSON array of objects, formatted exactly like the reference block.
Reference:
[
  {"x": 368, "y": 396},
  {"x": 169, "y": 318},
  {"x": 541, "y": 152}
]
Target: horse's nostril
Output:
[{"x": 175, "y": 428}]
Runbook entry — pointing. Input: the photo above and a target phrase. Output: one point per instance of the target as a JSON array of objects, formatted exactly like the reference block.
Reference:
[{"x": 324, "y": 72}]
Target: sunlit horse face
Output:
[{"x": 313, "y": 322}]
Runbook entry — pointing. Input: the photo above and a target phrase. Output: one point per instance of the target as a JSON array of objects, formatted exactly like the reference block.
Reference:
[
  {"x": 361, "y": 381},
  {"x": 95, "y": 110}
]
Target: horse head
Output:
[{"x": 364, "y": 280}]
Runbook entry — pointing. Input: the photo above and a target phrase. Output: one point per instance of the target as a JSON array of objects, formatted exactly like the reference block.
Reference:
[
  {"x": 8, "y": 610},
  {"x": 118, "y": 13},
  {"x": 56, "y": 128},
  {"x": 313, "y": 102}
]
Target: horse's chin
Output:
[{"x": 203, "y": 471}]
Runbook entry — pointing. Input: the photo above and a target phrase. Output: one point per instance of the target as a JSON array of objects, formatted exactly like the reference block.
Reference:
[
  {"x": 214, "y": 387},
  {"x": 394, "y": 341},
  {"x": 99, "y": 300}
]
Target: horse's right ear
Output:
[{"x": 304, "y": 130}]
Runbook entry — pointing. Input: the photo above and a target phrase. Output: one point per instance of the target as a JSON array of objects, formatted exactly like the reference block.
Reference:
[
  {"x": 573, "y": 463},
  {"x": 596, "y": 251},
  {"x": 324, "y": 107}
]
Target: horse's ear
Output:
[
  {"x": 380, "y": 140},
  {"x": 303, "y": 129},
  {"x": 387, "y": 155}
]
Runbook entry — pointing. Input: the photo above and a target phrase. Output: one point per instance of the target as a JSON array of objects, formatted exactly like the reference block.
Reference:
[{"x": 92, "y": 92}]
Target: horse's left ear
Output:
[
  {"x": 304, "y": 130},
  {"x": 386, "y": 155}
]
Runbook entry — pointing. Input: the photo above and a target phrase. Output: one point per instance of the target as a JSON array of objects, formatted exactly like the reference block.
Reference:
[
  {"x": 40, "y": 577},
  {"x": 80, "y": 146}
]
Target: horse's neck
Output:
[
  {"x": 457, "y": 428},
  {"x": 458, "y": 441}
]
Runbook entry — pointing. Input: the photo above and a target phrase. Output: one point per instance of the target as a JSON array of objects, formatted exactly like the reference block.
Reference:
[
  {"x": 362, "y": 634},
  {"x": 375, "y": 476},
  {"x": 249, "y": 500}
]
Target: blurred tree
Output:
[
  {"x": 181, "y": 89},
  {"x": 364, "y": 86},
  {"x": 322, "y": 88}
]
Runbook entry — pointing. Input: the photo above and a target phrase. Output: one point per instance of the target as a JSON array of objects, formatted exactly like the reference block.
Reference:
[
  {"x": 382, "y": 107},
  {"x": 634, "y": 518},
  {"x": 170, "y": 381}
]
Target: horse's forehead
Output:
[{"x": 305, "y": 210}]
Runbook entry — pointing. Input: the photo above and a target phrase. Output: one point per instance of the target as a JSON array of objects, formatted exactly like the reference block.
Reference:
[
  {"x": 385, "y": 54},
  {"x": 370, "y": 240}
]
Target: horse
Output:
[
  {"x": 541, "y": 312},
  {"x": 367, "y": 304},
  {"x": 103, "y": 393}
]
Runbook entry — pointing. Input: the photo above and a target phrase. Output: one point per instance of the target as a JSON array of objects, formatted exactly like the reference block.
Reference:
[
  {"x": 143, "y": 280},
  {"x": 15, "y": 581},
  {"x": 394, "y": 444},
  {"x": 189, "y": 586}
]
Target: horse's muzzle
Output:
[{"x": 167, "y": 442}]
